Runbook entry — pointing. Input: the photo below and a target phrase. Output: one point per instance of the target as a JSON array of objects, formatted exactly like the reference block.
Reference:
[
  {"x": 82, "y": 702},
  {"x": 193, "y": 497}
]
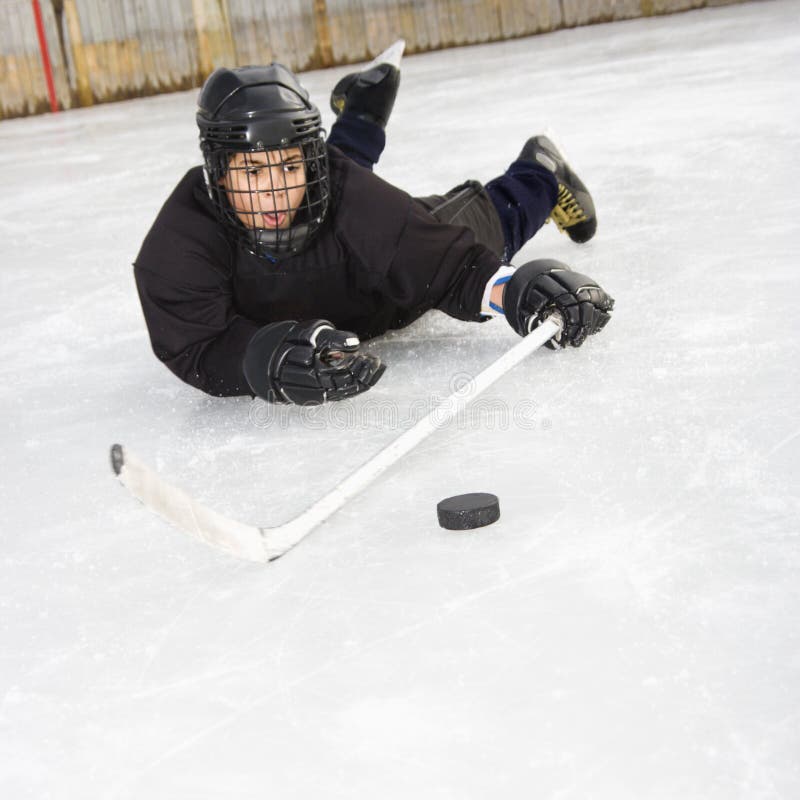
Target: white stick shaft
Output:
[{"x": 292, "y": 532}]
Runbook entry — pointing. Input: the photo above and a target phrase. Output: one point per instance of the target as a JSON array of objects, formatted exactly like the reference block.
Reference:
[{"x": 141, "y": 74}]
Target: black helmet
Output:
[{"x": 265, "y": 161}]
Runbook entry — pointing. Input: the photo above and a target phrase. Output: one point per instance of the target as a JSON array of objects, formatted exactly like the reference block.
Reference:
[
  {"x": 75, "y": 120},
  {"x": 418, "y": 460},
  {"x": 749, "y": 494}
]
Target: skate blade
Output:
[
  {"x": 554, "y": 138},
  {"x": 391, "y": 55}
]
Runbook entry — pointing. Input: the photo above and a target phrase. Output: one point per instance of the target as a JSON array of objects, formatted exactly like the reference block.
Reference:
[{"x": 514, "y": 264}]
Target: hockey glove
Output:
[
  {"x": 540, "y": 287},
  {"x": 308, "y": 363}
]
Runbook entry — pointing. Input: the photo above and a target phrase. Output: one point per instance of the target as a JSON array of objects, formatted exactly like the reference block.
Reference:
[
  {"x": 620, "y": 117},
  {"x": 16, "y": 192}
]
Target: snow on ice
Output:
[{"x": 628, "y": 629}]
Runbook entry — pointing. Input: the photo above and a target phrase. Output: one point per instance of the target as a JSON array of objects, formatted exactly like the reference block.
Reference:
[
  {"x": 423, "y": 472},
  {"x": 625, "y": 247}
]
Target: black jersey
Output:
[{"x": 381, "y": 260}]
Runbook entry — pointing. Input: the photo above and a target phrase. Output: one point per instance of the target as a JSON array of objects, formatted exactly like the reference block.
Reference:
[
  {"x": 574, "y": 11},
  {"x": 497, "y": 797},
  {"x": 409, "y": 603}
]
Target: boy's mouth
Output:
[{"x": 274, "y": 220}]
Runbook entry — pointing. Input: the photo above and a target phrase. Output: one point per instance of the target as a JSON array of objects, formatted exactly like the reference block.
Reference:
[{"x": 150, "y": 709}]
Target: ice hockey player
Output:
[{"x": 266, "y": 268}]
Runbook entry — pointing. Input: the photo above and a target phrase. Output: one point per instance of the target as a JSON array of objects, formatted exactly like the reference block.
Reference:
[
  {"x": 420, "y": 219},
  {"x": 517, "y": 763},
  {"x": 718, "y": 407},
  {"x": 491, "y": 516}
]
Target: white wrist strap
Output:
[{"x": 501, "y": 276}]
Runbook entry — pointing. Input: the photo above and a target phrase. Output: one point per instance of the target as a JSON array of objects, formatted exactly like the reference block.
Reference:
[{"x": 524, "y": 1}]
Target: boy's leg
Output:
[
  {"x": 469, "y": 205},
  {"x": 523, "y": 197},
  {"x": 359, "y": 140},
  {"x": 537, "y": 186},
  {"x": 363, "y": 102}
]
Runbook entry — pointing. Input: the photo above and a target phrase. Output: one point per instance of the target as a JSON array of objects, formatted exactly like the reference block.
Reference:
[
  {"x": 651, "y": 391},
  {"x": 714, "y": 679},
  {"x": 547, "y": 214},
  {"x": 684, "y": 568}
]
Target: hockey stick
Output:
[{"x": 265, "y": 544}]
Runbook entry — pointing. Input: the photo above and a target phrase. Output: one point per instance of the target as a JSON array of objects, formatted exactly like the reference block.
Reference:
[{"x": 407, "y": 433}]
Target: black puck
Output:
[{"x": 467, "y": 511}]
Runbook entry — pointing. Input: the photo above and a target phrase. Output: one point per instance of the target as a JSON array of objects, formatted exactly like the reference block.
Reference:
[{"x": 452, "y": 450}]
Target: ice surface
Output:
[{"x": 627, "y": 630}]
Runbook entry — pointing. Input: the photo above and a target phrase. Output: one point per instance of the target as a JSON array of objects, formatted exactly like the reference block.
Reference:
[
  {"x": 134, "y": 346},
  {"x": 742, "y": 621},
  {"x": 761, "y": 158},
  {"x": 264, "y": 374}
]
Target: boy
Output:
[{"x": 263, "y": 271}]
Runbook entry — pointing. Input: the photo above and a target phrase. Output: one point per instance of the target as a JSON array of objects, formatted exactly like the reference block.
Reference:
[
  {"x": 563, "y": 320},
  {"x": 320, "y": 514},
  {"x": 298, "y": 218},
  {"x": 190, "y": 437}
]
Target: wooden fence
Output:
[{"x": 107, "y": 50}]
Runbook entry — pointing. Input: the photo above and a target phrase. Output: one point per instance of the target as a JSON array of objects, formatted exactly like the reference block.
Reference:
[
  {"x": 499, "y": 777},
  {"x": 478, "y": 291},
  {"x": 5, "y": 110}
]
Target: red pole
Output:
[{"x": 48, "y": 67}]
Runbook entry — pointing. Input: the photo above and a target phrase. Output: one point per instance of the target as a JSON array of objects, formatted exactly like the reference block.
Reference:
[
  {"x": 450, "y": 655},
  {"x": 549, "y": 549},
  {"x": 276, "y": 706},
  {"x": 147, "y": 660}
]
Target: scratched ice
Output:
[{"x": 627, "y": 630}]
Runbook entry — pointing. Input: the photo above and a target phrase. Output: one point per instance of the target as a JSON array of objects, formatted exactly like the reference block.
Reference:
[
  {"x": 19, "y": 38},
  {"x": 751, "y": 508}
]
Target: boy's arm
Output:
[
  {"x": 183, "y": 278},
  {"x": 196, "y": 332},
  {"x": 469, "y": 282}
]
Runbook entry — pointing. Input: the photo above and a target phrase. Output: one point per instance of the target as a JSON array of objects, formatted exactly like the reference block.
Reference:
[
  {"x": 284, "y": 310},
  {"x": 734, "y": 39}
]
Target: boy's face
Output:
[{"x": 266, "y": 189}]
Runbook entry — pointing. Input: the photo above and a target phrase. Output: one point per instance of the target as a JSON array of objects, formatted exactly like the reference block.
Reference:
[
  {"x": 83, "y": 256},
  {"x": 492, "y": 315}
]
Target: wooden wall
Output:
[{"x": 104, "y": 50}]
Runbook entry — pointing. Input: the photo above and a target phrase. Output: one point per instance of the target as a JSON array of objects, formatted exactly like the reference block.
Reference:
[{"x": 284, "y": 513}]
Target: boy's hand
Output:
[
  {"x": 540, "y": 287},
  {"x": 308, "y": 363}
]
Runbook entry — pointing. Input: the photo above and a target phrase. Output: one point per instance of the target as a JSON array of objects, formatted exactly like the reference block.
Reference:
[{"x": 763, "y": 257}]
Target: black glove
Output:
[
  {"x": 540, "y": 287},
  {"x": 308, "y": 363}
]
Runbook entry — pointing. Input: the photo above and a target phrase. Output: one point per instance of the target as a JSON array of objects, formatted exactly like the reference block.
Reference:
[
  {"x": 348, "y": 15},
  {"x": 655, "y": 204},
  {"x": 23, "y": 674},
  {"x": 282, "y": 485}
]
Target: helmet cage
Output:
[{"x": 272, "y": 204}]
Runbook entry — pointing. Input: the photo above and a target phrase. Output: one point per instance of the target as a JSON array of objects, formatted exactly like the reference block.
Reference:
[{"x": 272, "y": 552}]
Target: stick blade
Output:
[{"x": 181, "y": 510}]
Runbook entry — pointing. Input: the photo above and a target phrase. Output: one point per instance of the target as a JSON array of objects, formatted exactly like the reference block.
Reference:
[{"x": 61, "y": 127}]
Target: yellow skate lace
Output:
[{"x": 568, "y": 211}]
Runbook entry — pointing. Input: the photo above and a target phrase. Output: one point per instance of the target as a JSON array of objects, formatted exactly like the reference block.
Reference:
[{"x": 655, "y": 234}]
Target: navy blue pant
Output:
[{"x": 523, "y": 196}]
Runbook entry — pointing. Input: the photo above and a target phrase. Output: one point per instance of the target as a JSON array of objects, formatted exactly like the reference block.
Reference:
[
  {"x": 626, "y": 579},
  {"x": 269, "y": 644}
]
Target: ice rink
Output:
[{"x": 628, "y": 629}]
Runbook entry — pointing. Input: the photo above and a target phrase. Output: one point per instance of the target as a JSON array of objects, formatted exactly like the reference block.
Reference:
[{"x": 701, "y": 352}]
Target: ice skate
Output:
[
  {"x": 574, "y": 212},
  {"x": 370, "y": 93}
]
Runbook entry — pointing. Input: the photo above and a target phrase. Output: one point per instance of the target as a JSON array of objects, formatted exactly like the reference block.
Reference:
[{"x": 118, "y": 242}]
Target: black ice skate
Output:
[
  {"x": 574, "y": 212},
  {"x": 370, "y": 94}
]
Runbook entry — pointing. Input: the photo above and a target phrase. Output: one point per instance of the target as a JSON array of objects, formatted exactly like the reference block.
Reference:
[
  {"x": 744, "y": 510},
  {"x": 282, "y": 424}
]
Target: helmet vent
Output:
[
  {"x": 226, "y": 135},
  {"x": 308, "y": 126}
]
